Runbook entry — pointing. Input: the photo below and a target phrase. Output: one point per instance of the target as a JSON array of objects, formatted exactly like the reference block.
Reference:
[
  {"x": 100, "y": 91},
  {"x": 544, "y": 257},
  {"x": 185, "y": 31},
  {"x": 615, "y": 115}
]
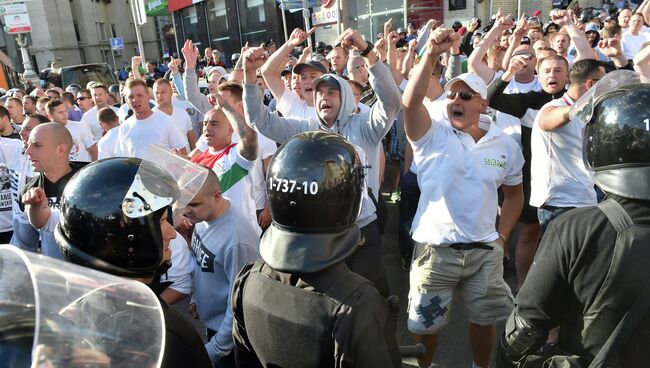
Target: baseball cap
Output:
[
  {"x": 536, "y": 13},
  {"x": 474, "y": 82},
  {"x": 286, "y": 71},
  {"x": 309, "y": 64},
  {"x": 401, "y": 30},
  {"x": 221, "y": 70},
  {"x": 327, "y": 78},
  {"x": 592, "y": 27}
]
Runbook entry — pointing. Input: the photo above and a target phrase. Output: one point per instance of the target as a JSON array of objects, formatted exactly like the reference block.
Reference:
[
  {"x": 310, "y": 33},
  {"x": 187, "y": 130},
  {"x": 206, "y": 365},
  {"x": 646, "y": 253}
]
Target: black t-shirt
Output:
[
  {"x": 53, "y": 191},
  {"x": 13, "y": 135}
]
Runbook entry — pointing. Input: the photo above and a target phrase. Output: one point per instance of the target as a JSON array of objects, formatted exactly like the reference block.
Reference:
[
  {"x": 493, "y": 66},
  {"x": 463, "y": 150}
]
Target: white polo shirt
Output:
[
  {"x": 458, "y": 179},
  {"x": 558, "y": 176}
]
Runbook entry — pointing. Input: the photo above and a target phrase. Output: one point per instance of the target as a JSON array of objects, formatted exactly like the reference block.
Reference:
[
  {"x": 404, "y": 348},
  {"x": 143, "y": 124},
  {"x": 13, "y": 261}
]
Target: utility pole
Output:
[
  {"x": 28, "y": 73},
  {"x": 139, "y": 19}
]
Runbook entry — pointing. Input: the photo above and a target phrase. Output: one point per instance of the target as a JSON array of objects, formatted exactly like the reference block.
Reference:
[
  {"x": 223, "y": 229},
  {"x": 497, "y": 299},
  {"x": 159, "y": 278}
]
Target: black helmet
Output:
[
  {"x": 617, "y": 141},
  {"x": 315, "y": 183},
  {"x": 315, "y": 186},
  {"x": 110, "y": 216}
]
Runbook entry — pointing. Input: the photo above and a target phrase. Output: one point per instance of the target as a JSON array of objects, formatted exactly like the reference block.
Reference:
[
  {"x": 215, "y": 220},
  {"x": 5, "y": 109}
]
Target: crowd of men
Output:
[{"x": 467, "y": 127}]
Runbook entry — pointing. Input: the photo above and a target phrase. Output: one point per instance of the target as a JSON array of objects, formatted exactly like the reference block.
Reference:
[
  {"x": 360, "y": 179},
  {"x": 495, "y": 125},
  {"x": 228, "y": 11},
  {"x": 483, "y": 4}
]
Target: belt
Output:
[
  {"x": 458, "y": 246},
  {"x": 468, "y": 246}
]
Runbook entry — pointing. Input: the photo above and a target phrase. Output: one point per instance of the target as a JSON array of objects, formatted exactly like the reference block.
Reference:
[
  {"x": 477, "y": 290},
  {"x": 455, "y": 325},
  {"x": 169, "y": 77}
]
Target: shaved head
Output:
[
  {"x": 211, "y": 184},
  {"x": 57, "y": 133}
]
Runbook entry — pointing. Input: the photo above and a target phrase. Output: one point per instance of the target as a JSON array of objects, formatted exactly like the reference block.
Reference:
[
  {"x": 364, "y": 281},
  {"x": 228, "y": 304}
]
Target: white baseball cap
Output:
[{"x": 474, "y": 82}]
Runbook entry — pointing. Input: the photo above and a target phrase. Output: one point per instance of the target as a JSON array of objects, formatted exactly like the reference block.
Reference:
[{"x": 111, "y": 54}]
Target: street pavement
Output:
[{"x": 453, "y": 350}]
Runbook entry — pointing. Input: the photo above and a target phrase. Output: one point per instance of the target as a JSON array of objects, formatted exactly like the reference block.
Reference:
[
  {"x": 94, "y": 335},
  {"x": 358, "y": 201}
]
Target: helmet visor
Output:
[
  {"x": 583, "y": 109},
  {"x": 57, "y": 314},
  {"x": 618, "y": 134},
  {"x": 163, "y": 179}
]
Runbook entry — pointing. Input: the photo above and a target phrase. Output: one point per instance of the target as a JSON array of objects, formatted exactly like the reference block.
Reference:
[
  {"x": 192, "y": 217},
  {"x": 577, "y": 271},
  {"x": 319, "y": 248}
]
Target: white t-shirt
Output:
[
  {"x": 517, "y": 87},
  {"x": 89, "y": 119},
  {"x": 458, "y": 179},
  {"x": 135, "y": 135},
  {"x": 182, "y": 120},
  {"x": 82, "y": 139},
  {"x": 107, "y": 145},
  {"x": 291, "y": 106},
  {"x": 632, "y": 44},
  {"x": 180, "y": 273},
  {"x": 10, "y": 153},
  {"x": 558, "y": 176}
]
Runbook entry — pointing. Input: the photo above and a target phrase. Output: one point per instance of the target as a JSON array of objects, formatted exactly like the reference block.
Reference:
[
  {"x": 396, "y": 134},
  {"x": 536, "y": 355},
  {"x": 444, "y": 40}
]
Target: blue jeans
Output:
[{"x": 546, "y": 214}]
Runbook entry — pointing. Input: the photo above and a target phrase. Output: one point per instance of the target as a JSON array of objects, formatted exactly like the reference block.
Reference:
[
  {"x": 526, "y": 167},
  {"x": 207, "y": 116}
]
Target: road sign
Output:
[
  {"x": 17, "y": 23},
  {"x": 18, "y": 8},
  {"x": 117, "y": 43}
]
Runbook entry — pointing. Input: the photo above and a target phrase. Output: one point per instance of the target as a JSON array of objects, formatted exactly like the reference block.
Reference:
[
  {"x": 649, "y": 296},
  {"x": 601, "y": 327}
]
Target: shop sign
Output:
[{"x": 326, "y": 14}]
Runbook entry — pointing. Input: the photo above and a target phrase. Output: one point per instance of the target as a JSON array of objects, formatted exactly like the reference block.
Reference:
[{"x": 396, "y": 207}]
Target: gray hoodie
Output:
[
  {"x": 193, "y": 94},
  {"x": 364, "y": 130}
]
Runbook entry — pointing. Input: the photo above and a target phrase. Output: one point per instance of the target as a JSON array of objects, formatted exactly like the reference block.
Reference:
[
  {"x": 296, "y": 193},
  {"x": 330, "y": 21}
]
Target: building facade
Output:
[
  {"x": 226, "y": 25},
  {"x": 72, "y": 32}
]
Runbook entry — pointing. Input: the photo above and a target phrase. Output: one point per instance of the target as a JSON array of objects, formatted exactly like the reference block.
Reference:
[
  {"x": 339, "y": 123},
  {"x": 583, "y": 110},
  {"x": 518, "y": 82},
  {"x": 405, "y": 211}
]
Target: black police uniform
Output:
[
  {"x": 586, "y": 274},
  {"x": 571, "y": 266},
  {"x": 332, "y": 318},
  {"x": 301, "y": 306},
  {"x": 96, "y": 232}
]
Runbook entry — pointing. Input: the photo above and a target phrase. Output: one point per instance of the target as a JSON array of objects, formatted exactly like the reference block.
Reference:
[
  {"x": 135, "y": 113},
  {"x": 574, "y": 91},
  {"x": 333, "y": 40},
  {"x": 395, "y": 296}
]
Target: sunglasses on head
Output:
[{"x": 465, "y": 96}]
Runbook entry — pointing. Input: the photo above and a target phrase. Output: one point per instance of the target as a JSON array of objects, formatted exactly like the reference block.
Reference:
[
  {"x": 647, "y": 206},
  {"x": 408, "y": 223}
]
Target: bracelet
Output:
[
  {"x": 505, "y": 240},
  {"x": 369, "y": 48}
]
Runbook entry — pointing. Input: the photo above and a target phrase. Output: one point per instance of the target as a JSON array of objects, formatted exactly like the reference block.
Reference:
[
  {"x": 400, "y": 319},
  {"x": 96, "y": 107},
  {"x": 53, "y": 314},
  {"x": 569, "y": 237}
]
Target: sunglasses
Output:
[
  {"x": 82, "y": 98},
  {"x": 465, "y": 96}
]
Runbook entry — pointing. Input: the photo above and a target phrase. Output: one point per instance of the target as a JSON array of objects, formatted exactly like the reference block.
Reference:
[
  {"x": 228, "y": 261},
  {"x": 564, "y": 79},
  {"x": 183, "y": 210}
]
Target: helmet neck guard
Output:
[
  {"x": 628, "y": 182},
  {"x": 298, "y": 252}
]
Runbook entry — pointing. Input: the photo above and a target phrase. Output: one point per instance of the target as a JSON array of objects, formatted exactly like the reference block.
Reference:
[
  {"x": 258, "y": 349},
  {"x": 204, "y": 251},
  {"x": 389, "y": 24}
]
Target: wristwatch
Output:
[{"x": 365, "y": 52}]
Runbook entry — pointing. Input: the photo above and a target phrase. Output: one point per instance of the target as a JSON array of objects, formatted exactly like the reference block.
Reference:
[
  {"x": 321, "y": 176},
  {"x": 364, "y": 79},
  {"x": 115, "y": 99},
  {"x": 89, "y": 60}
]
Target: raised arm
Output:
[
  {"x": 192, "y": 92},
  {"x": 642, "y": 62},
  {"x": 454, "y": 67},
  {"x": 271, "y": 69},
  {"x": 416, "y": 117},
  {"x": 466, "y": 43},
  {"x": 515, "y": 40},
  {"x": 237, "y": 74},
  {"x": 247, "y": 145},
  {"x": 136, "y": 61},
  {"x": 256, "y": 114},
  {"x": 613, "y": 49},
  {"x": 392, "y": 38},
  {"x": 475, "y": 63},
  {"x": 583, "y": 48}
]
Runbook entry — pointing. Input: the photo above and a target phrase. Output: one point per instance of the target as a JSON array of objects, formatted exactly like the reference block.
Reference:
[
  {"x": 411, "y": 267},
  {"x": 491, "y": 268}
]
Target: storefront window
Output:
[
  {"x": 224, "y": 30},
  {"x": 193, "y": 22},
  {"x": 252, "y": 16}
]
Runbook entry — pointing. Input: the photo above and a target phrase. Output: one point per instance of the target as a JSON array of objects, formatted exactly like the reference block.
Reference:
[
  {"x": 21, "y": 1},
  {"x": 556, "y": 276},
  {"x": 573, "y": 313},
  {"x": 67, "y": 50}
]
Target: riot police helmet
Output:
[
  {"x": 110, "y": 216},
  {"x": 617, "y": 141},
  {"x": 315, "y": 184}
]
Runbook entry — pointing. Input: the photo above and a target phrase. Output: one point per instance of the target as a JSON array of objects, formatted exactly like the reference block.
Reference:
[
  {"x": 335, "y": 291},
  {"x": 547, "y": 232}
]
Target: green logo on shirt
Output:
[{"x": 495, "y": 162}]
